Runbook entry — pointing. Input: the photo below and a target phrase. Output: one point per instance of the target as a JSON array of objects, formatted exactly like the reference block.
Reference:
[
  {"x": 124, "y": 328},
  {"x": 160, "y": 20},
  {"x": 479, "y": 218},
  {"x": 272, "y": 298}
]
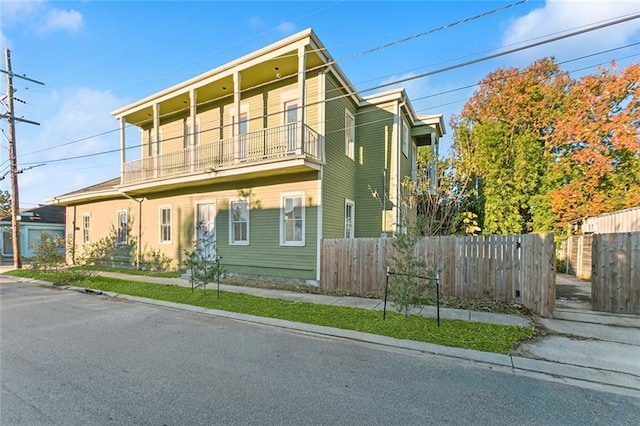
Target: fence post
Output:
[{"x": 386, "y": 286}]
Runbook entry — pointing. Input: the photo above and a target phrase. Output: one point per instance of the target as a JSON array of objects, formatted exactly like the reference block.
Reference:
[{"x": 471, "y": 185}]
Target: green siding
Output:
[
  {"x": 339, "y": 175},
  {"x": 264, "y": 255},
  {"x": 375, "y": 141}
]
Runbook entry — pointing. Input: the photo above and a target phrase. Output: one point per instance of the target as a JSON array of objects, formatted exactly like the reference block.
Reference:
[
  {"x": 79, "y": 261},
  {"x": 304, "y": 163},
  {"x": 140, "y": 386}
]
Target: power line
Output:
[
  {"x": 506, "y": 52},
  {"x": 337, "y": 130},
  {"x": 362, "y": 53},
  {"x": 466, "y": 63}
]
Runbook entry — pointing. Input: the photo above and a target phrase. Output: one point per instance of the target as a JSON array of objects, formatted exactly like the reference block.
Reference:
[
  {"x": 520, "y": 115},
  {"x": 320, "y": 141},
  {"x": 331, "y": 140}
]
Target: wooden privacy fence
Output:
[
  {"x": 514, "y": 268},
  {"x": 576, "y": 252},
  {"x": 615, "y": 277}
]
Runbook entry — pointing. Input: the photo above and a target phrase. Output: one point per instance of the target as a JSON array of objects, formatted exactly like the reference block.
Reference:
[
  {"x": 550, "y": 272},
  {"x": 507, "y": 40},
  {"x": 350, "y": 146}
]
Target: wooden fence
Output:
[
  {"x": 576, "y": 252},
  {"x": 615, "y": 279},
  {"x": 515, "y": 268}
]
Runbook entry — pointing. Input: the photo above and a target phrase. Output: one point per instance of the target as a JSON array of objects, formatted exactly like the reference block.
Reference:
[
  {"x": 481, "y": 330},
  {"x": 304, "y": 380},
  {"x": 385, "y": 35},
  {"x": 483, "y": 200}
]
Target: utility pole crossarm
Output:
[{"x": 24, "y": 77}]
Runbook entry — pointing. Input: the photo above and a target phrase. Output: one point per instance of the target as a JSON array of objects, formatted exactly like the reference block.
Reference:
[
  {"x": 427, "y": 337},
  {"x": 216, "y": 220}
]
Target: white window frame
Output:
[
  {"x": 162, "y": 226},
  {"x": 405, "y": 139},
  {"x": 349, "y": 135},
  {"x": 190, "y": 138},
  {"x": 232, "y": 240},
  {"x": 119, "y": 240},
  {"x": 283, "y": 197},
  {"x": 349, "y": 219},
  {"x": 86, "y": 228}
]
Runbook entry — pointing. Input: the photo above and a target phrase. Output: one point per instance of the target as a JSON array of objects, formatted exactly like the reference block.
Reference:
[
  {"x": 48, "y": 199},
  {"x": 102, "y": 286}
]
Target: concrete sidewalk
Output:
[{"x": 582, "y": 347}]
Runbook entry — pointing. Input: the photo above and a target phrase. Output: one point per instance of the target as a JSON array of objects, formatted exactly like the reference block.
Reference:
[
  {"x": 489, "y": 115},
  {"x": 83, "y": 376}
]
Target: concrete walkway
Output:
[{"x": 580, "y": 346}]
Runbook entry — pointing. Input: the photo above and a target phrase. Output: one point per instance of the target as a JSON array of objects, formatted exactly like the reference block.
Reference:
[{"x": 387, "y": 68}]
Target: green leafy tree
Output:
[
  {"x": 502, "y": 143},
  {"x": 5, "y": 203},
  {"x": 407, "y": 284}
]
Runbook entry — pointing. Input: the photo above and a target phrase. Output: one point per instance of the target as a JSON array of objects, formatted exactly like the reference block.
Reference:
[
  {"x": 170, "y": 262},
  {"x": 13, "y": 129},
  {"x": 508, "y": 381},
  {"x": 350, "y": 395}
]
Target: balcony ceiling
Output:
[{"x": 256, "y": 75}]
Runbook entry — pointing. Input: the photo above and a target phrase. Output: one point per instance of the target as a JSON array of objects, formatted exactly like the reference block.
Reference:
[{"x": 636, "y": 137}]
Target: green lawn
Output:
[{"x": 480, "y": 336}]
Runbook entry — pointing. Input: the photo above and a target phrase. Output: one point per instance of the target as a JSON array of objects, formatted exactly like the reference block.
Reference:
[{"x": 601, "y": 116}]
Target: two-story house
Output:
[{"x": 268, "y": 155}]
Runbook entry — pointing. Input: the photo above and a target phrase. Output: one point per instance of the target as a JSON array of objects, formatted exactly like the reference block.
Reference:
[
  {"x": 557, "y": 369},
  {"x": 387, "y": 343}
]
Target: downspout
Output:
[
  {"x": 139, "y": 237},
  {"x": 73, "y": 238}
]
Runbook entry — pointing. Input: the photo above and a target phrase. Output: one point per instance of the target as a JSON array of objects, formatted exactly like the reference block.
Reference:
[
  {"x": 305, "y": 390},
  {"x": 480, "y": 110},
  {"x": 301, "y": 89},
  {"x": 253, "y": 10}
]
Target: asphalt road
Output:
[{"x": 70, "y": 358}]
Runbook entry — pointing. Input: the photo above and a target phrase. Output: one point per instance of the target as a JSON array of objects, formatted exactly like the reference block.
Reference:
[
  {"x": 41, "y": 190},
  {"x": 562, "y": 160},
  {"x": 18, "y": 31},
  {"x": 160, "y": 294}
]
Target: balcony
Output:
[{"x": 275, "y": 144}]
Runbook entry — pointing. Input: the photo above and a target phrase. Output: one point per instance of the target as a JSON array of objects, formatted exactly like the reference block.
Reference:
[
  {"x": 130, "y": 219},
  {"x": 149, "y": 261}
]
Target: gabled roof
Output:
[{"x": 41, "y": 214}]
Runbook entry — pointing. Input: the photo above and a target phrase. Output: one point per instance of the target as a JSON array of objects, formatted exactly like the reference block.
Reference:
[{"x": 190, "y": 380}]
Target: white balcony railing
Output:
[{"x": 267, "y": 145}]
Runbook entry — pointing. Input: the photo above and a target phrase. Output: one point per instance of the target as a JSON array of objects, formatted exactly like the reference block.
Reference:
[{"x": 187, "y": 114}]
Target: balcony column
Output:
[
  {"x": 193, "y": 119},
  {"x": 302, "y": 68},
  {"x": 433, "y": 168},
  {"x": 123, "y": 146},
  {"x": 155, "y": 148},
  {"x": 236, "y": 113}
]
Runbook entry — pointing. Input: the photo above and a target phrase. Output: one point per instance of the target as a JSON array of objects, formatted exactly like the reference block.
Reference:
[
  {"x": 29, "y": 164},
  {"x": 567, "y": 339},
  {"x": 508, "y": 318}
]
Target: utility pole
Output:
[{"x": 13, "y": 160}]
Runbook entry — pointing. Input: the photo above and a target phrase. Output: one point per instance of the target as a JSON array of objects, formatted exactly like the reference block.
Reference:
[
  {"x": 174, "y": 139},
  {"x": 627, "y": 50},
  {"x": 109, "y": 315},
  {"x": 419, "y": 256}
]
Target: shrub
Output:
[{"x": 48, "y": 254}]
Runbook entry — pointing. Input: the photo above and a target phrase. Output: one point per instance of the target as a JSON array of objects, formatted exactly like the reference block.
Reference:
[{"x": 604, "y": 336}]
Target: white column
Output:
[
  {"x": 236, "y": 109},
  {"x": 123, "y": 147},
  {"x": 302, "y": 71},
  {"x": 156, "y": 131},
  {"x": 193, "y": 119}
]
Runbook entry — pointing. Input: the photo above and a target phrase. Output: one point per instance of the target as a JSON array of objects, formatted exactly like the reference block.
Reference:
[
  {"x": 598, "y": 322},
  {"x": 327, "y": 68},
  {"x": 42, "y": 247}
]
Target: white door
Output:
[
  {"x": 206, "y": 229},
  {"x": 291, "y": 122}
]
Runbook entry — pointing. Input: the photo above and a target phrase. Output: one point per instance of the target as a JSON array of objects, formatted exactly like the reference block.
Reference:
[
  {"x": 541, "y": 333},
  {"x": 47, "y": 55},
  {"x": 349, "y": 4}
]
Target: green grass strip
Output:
[{"x": 472, "y": 335}]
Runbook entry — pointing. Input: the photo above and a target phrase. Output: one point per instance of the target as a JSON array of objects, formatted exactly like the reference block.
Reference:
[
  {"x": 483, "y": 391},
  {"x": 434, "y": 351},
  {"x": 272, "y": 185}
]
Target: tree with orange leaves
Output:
[{"x": 597, "y": 146}]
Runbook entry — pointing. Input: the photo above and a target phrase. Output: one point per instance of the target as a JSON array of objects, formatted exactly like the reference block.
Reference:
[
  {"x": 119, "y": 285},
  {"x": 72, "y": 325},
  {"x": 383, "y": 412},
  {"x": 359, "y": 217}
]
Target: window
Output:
[
  {"x": 123, "y": 228},
  {"x": 405, "y": 139},
  {"x": 349, "y": 218},
  {"x": 190, "y": 137},
  {"x": 165, "y": 224},
  {"x": 239, "y": 222},
  {"x": 36, "y": 236},
  {"x": 349, "y": 134},
  {"x": 86, "y": 228},
  {"x": 292, "y": 219}
]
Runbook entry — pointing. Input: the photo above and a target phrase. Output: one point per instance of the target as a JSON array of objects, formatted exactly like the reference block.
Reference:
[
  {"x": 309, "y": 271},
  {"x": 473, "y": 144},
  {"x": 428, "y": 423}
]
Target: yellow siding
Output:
[
  {"x": 172, "y": 136},
  {"x": 209, "y": 125}
]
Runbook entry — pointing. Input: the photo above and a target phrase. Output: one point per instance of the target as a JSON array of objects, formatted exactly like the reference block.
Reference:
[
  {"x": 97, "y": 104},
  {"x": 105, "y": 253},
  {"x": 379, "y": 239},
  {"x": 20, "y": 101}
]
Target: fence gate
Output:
[{"x": 615, "y": 278}]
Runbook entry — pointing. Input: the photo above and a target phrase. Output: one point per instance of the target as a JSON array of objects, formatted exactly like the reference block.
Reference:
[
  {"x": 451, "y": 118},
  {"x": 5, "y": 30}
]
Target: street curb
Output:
[
  {"x": 622, "y": 382},
  {"x": 614, "y": 379}
]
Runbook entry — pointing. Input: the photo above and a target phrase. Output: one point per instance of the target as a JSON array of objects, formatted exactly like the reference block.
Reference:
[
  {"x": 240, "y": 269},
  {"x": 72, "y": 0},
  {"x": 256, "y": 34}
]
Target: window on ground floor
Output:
[
  {"x": 122, "y": 235},
  {"x": 239, "y": 222},
  {"x": 349, "y": 218},
  {"x": 292, "y": 226},
  {"x": 86, "y": 228},
  {"x": 165, "y": 224}
]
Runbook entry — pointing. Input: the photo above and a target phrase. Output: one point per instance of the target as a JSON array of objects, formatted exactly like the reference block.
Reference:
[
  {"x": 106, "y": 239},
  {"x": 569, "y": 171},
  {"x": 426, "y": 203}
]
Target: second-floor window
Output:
[
  {"x": 349, "y": 134},
  {"x": 165, "y": 224},
  {"x": 86, "y": 228},
  {"x": 122, "y": 234},
  {"x": 191, "y": 137},
  {"x": 239, "y": 222},
  {"x": 405, "y": 139}
]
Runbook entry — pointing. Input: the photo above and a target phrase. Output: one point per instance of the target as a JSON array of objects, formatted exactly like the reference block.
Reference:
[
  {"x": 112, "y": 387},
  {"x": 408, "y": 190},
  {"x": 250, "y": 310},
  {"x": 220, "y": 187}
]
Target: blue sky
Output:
[{"x": 97, "y": 56}]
